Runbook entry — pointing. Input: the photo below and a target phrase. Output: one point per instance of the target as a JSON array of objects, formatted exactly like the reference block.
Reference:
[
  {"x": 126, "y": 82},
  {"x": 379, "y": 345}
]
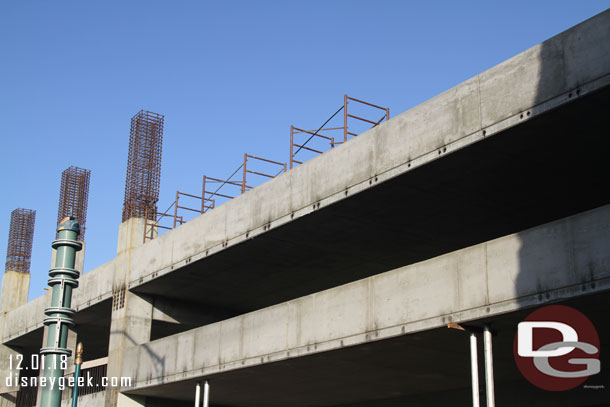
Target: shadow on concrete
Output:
[{"x": 558, "y": 262}]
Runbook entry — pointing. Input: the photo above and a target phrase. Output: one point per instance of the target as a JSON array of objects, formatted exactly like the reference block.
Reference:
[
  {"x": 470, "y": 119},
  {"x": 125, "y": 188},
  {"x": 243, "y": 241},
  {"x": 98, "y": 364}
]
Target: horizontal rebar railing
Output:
[
  {"x": 211, "y": 197},
  {"x": 347, "y": 117},
  {"x": 247, "y": 156}
]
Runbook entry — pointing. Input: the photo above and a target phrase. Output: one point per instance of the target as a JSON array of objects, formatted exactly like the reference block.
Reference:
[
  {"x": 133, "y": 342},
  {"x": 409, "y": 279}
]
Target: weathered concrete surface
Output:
[
  {"x": 15, "y": 289},
  {"x": 553, "y": 73},
  {"x": 89, "y": 400},
  {"x": 558, "y": 260},
  {"x": 8, "y": 399},
  {"x": 130, "y": 326},
  {"x": 533, "y": 82},
  {"x": 562, "y": 259},
  {"x": 14, "y": 294},
  {"x": 94, "y": 287},
  {"x": 132, "y": 314},
  {"x": 131, "y": 234}
]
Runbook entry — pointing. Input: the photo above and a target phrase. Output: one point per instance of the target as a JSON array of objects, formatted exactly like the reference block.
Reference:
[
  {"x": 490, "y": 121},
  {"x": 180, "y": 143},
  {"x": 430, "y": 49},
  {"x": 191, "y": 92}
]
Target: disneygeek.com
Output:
[{"x": 62, "y": 382}]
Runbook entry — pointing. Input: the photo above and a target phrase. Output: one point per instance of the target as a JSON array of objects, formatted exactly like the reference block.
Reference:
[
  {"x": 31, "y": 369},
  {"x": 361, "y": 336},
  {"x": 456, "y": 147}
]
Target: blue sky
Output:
[{"x": 230, "y": 77}]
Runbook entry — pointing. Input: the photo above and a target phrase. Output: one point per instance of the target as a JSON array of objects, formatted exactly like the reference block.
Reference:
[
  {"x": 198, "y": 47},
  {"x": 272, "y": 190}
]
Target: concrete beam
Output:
[
  {"x": 177, "y": 312},
  {"x": 130, "y": 326},
  {"x": 562, "y": 259},
  {"x": 553, "y": 73},
  {"x": 94, "y": 287},
  {"x": 131, "y": 234},
  {"x": 15, "y": 290}
]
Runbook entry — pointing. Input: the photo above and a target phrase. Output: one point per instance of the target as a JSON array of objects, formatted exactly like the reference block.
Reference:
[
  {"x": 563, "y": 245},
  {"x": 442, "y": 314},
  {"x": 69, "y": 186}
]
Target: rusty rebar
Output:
[
  {"x": 20, "y": 238},
  {"x": 74, "y": 196},
  {"x": 143, "y": 166},
  {"x": 345, "y": 128}
]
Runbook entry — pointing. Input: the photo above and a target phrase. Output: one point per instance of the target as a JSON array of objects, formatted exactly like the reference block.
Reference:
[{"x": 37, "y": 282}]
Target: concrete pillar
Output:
[
  {"x": 15, "y": 290},
  {"x": 131, "y": 320},
  {"x": 8, "y": 391},
  {"x": 130, "y": 326},
  {"x": 14, "y": 293},
  {"x": 131, "y": 234}
]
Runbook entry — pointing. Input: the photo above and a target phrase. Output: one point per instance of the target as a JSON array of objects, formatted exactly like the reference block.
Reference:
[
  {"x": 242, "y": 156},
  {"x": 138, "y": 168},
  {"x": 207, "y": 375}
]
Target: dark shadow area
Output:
[
  {"x": 573, "y": 261},
  {"x": 93, "y": 329},
  {"x": 590, "y": 145},
  {"x": 171, "y": 316}
]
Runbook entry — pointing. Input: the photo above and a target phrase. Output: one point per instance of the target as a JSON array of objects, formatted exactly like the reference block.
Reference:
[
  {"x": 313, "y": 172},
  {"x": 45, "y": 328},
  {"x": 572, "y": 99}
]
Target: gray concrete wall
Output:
[
  {"x": 131, "y": 234},
  {"x": 89, "y": 400},
  {"x": 15, "y": 290},
  {"x": 131, "y": 322},
  {"x": 558, "y": 260},
  {"x": 8, "y": 399},
  {"x": 534, "y": 81},
  {"x": 94, "y": 286}
]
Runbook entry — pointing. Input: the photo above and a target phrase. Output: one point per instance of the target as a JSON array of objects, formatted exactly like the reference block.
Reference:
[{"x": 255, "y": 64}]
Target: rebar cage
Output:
[
  {"x": 254, "y": 170},
  {"x": 329, "y": 137},
  {"x": 143, "y": 166},
  {"x": 20, "y": 238},
  {"x": 214, "y": 191},
  {"x": 74, "y": 196}
]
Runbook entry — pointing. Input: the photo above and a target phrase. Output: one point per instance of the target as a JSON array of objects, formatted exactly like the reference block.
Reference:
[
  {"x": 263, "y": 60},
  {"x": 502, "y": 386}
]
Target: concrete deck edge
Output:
[{"x": 481, "y": 281}]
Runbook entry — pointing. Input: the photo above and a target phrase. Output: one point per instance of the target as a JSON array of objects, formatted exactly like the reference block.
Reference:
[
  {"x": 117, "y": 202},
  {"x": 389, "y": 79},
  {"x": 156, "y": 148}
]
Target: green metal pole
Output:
[
  {"x": 62, "y": 280},
  {"x": 77, "y": 362}
]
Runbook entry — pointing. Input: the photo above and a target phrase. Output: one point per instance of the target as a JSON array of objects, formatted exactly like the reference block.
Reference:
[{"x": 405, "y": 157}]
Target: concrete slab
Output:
[
  {"x": 426, "y": 368},
  {"x": 515, "y": 94},
  {"x": 414, "y": 298}
]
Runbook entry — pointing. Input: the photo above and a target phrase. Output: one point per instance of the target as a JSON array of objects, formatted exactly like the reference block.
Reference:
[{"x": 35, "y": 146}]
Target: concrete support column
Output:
[
  {"x": 131, "y": 320},
  {"x": 8, "y": 391},
  {"x": 15, "y": 290},
  {"x": 131, "y": 234},
  {"x": 14, "y": 293},
  {"x": 130, "y": 326}
]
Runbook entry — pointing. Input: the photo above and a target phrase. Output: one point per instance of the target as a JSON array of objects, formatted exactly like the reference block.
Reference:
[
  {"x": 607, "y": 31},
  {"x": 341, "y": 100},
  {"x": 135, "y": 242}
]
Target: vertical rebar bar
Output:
[
  {"x": 291, "y": 144},
  {"x": 143, "y": 165},
  {"x": 74, "y": 196},
  {"x": 20, "y": 239},
  {"x": 243, "y": 182},
  {"x": 344, "y": 118},
  {"x": 176, "y": 208},
  {"x": 203, "y": 196}
]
